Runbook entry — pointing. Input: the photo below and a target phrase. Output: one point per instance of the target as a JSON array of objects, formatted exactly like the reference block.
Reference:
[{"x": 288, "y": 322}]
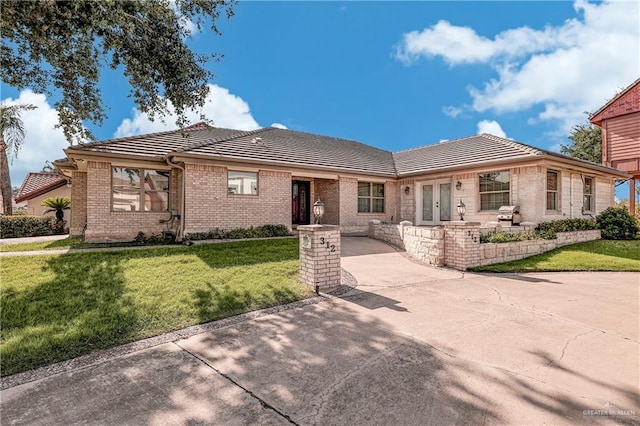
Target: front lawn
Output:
[
  {"x": 57, "y": 307},
  {"x": 67, "y": 243},
  {"x": 599, "y": 255}
]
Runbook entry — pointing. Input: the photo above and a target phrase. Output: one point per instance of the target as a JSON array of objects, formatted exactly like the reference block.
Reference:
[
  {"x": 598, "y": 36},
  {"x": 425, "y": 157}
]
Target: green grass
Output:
[
  {"x": 67, "y": 243},
  {"x": 56, "y": 307},
  {"x": 599, "y": 255}
]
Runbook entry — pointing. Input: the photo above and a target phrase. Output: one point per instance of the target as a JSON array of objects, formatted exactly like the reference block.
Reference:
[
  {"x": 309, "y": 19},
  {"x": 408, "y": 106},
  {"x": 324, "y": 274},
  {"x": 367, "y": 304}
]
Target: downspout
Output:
[{"x": 171, "y": 163}]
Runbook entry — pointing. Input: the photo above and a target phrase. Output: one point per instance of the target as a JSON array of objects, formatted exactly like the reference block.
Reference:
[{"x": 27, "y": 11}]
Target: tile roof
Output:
[
  {"x": 293, "y": 148},
  {"x": 269, "y": 144},
  {"x": 38, "y": 183},
  {"x": 469, "y": 151},
  {"x": 476, "y": 150}
]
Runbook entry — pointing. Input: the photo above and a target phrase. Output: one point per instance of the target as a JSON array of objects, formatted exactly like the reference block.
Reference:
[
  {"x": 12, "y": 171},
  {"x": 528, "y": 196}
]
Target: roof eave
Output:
[{"x": 40, "y": 191}]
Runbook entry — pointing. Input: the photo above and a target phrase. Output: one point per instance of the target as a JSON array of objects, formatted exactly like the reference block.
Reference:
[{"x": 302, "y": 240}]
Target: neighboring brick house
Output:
[
  {"x": 620, "y": 122},
  {"x": 39, "y": 186},
  {"x": 211, "y": 177}
]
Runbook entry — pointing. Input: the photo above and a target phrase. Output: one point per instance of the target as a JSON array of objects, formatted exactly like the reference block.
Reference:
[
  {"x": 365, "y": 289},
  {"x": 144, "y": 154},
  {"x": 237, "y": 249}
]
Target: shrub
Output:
[
  {"x": 163, "y": 238},
  {"x": 508, "y": 237},
  {"x": 568, "y": 225},
  {"x": 30, "y": 226},
  {"x": 617, "y": 224},
  {"x": 264, "y": 231}
]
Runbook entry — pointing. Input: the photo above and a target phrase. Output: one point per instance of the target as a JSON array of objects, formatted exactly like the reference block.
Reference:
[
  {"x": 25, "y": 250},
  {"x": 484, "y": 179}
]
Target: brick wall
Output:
[
  {"x": 319, "y": 250},
  {"x": 208, "y": 205},
  {"x": 329, "y": 192},
  {"x": 425, "y": 244},
  {"x": 78, "y": 218}
]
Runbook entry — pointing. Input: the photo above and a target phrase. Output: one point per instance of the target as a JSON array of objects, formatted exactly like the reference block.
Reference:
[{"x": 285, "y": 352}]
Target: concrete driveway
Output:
[{"x": 409, "y": 345}]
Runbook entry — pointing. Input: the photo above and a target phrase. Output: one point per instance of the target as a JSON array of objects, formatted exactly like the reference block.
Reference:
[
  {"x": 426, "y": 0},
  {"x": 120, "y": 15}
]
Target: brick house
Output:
[
  {"x": 204, "y": 178},
  {"x": 37, "y": 187}
]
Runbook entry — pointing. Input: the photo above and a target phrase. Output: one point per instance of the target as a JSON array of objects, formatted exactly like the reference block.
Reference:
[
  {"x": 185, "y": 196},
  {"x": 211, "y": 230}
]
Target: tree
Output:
[
  {"x": 586, "y": 143},
  {"x": 48, "y": 167},
  {"x": 11, "y": 138},
  {"x": 60, "y": 46},
  {"x": 58, "y": 205}
]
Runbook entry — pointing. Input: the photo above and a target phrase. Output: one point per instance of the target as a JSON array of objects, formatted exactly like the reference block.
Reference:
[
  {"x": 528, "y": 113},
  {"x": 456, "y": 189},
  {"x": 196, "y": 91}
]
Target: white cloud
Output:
[
  {"x": 42, "y": 141},
  {"x": 451, "y": 111},
  {"x": 565, "y": 69},
  {"x": 279, "y": 126},
  {"x": 492, "y": 127},
  {"x": 222, "y": 107}
]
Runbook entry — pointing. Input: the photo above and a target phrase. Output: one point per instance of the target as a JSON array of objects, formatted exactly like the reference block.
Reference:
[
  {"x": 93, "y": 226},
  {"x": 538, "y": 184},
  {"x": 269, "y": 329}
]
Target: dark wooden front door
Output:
[{"x": 300, "y": 202}]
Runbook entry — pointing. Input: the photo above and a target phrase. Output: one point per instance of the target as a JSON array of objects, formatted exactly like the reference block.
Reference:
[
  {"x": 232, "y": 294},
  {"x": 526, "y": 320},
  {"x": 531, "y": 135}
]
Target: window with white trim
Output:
[
  {"x": 552, "y": 190},
  {"x": 135, "y": 190},
  {"x": 587, "y": 194},
  {"x": 242, "y": 183},
  {"x": 370, "y": 197},
  {"x": 494, "y": 190}
]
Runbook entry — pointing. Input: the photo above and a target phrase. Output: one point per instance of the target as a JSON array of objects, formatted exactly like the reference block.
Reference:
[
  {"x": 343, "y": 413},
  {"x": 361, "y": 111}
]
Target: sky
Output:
[{"x": 394, "y": 75}]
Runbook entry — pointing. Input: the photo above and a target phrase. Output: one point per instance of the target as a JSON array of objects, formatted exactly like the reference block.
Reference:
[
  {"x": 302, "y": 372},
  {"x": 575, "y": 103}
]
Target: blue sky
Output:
[{"x": 395, "y": 75}]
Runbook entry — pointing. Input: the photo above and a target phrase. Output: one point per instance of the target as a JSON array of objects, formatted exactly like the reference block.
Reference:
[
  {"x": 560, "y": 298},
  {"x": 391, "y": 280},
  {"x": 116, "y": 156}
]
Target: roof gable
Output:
[
  {"x": 625, "y": 102},
  {"x": 38, "y": 183}
]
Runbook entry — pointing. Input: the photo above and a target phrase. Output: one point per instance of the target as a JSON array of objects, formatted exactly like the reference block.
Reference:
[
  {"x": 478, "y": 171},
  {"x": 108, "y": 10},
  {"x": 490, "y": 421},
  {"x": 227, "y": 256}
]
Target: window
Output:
[
  {"x": 242, "y": 183},
  {"x": 587, "y": 192},
  {"x": 494, "y": 190},
  {"x": 370, "y": 197},
  {"x": 135, "y": 190},
  {"x": 552, "y": 190}
]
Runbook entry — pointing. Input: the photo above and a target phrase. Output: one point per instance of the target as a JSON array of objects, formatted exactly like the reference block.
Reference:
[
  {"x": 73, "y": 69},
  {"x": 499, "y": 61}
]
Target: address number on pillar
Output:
[{"x": 330, "y": 247}]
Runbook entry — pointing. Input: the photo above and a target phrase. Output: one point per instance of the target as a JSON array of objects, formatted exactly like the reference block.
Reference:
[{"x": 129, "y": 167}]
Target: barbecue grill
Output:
[{"x": 509, "y": 214}]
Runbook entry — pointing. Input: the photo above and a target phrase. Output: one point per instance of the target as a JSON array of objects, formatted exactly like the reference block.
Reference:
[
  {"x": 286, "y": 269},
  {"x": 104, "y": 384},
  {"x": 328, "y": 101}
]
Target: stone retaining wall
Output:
[{"x": 457, "y": 244}]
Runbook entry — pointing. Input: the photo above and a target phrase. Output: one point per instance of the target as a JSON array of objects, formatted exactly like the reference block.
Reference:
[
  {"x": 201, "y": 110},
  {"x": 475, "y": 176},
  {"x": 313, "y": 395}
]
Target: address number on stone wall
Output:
[{"x": 330, "y": 246}]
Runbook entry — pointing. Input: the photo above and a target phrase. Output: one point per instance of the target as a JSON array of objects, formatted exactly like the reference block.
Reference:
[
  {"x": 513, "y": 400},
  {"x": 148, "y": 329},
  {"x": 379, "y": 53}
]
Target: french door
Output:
[{"x": 434, "y": 202}]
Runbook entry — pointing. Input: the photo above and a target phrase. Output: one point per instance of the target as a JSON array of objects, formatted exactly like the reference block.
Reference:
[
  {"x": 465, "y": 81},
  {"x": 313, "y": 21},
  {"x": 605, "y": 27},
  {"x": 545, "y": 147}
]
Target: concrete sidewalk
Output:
[{"x": 409, "y": 345}]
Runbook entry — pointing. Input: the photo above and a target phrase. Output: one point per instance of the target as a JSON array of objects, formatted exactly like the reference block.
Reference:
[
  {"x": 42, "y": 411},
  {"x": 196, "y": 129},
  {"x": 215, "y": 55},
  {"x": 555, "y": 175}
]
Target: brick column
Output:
[
  {"x": 461, "y": 244},
  {"x": 320, "y": 256},
  {"x": 78, "y": 204}
]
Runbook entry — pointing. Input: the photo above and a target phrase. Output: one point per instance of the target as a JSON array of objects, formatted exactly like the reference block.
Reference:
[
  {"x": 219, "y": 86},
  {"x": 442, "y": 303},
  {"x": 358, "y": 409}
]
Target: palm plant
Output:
[
  {"x": 58, "y": 205},
  {"x": 11, "y": 138}
]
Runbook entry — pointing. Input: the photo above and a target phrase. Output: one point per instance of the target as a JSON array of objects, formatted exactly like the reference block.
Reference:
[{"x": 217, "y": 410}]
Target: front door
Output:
[
  {"x": 434, "y": 202},
  {"x": 300, "y": 192}
]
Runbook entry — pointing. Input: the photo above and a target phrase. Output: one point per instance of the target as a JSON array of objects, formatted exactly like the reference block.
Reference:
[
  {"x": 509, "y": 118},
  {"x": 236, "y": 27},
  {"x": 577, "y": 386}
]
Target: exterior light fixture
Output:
[
  {"x": 68, "y": 183},
  {"x": 458, "y": 185},
  {"x": 318, "y": 211},
  {"x": 461, "y": 209},
  {"x": 407, "y": 189}
]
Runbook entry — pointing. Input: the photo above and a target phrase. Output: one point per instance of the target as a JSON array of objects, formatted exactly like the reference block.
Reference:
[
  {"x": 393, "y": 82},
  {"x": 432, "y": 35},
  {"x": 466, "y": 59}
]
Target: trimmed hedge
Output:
[
  {"x": 568, "y": 225},
  {"x": 508, "y": 237},
  {"x": 264, "y": 231},
  {"x": 20, "y": 226}
]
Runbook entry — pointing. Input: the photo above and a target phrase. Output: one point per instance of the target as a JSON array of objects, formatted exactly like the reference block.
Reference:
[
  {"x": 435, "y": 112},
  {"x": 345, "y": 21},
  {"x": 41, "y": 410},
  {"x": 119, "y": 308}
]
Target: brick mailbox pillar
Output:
[
  {"x": 320, "y": 257},
  {"x": 461, "y": 244}
]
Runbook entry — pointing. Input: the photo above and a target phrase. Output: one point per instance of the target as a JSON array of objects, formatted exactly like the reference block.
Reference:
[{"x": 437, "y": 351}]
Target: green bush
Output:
[
  {"x": 568, "y": 225},
  {"x": 617, "y": 223},
  {"x": 30, "y": 226},
  {"x": 508, "y": 237},
  {"x": 264, "y": 231}
]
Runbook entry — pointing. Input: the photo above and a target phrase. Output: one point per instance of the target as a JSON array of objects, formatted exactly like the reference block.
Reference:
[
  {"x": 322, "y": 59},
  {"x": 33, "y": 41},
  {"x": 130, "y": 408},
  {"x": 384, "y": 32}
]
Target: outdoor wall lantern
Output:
[
  {"x": 458, "y": 185},
  {"x": 406, "y": 190},
  {"x": 68, "y": 183},
  {"x": 318, "y": 211},
  {"x": 461, "y": 209}
]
